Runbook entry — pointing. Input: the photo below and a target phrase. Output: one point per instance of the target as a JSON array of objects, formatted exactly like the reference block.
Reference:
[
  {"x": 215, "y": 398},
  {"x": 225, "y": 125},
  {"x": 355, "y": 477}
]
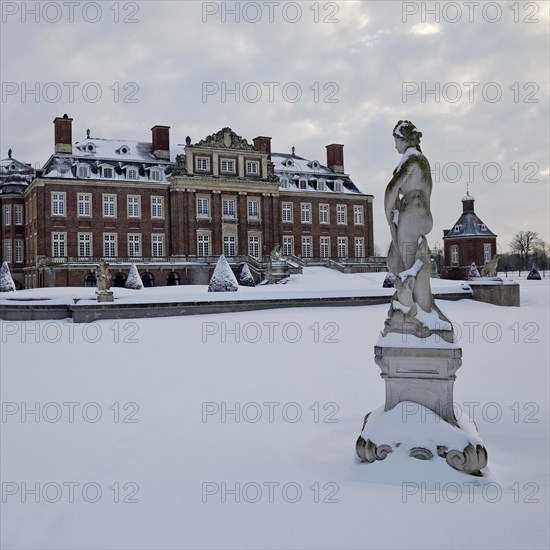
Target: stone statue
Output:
[
  {"x": 277, "y": 253},
  {"x": 103, "y": 276},
  {"x": 407, "y": 208},
  {"x": 489, "y": 269}
]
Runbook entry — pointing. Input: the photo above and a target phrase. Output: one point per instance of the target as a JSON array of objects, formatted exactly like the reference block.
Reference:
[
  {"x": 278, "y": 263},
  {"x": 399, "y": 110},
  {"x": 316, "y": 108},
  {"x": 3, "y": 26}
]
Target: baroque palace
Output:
[{"x": 127, "y": 202}]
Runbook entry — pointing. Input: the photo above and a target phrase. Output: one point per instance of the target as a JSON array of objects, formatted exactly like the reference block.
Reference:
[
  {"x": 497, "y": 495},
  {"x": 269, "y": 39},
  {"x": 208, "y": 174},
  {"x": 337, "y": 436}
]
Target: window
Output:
[
  {"x": 287, "y": 212},
  {"x": 303, "y": 183},
  {"x": 229, "y": 245},
  {"x": 157, "y": 245},
  {"x": 109, "y": 245},
  {"x": 83, "y": 171},
  {"x": 18, "y": 214},
  {"x": 358, "y": 215},
  {"x": 254, "y": 246},
  {"x": 228, "y": 166},
  {"x": 342, "y": 247},
  {"x": 284, "y": 183},
  {"x": 228, "y": 208},
  {"x": 341, "y": 214},
  {"x": 306, "y": 247},
  {"x": 132, "y": 173},
  {"x": 306, "y": 213},
  {"x": 483, "y": 227},
  {"x": 7, "y": 215},
  {"x": 454, "y": 254},
  {"x": 84, "y": 204},
  {"x": 202, "y": 164},
  {"x": 58, "y": 204},
  {"x": 359, "y": 247},
  {"x": 84, "y": 244},
  {"x": 19, "y": 251},
  {"x": 59, "y": 244},
  {"x": 253, "y": 210},
  {"x": 288, "y": 246},
  {"x": 203, "y": 208},
  {"x": 134, "y": 245},
  {"x": 134, "y": 206},
  {"x": 338, "y": 186},
  {"x": 325, "y": 247},
  {"x": 107, "y": 172},
  {"x": 321, "y": 185},
  {"x": 458, "y": 228},
  {"x": 487, "y": 252},
  {"x": 252, "y": 168},
  {"x": 109, "y": 206},
  {"x": 155, "y": 174},
  {"x": 203, "y": 242},
  {"x": 157, "y": 207},
  {"x": 323, "y": 213},
  {"x": 7, "y": 250}
]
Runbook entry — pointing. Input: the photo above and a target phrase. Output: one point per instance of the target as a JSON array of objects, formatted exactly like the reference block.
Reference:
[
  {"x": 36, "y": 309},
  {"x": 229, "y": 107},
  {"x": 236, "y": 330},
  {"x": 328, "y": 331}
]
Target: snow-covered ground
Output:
[{"x": 238, "y": 431}]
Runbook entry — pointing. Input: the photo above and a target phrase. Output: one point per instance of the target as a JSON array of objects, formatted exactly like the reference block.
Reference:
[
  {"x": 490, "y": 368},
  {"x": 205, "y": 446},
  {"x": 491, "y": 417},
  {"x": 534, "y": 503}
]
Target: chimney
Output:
[
  {"x": 335, "y": 157},
  {"x": 63, "y": 134},
  {"x": 161, "y": 142},
  {"x": 467, "y": 203},
  {"x": 262, "y": 142}
]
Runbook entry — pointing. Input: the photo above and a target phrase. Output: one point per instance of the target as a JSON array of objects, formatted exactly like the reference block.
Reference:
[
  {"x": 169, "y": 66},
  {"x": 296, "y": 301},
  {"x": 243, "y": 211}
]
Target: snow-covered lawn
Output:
[{"x": 280, "y": 470}]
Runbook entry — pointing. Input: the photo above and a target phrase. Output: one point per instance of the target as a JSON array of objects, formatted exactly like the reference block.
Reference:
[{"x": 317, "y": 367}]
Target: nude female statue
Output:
[{"x": 407, "y": 208}]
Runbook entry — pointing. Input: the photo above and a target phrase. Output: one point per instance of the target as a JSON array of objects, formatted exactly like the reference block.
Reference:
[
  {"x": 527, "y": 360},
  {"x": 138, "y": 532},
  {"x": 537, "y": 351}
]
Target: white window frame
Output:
[
  {"x": 487, "y": 252},
  {"x": 324, "y": 213},
  {"x": 19, "y": 256},
  {"x": 155, "y": 174},
  {"x": 324, "y": 247},
  {"x": 133, "y": 203},
  {"x": 104, "y": 170},
  {"x": 303, "y": 184},
  {"x": 287, "y": 212},
  {"x": 252, "y": 168},
  {"x": 18, "y": 214},
  {"x": 7, "y": 214},
  {"x": 203, "y": 245},
  {"x": 132, "y": 170},
  {"x": 284, "y": 183},
  {"x": 358, "y": 215},
  {"x": 288, "y": 245},
  {"x": 307, "y": 247},
  {"x": 342, "y": 247},
  {"x": 202, "y": 160},
  {"x": 305, "y": 212},
  {"x": 454, "y": 254},
  {"x": 341, "y": 214},
  {"x": 254, "y": 246},
  {"x": 227, "y": 162},
  {"x": 7, "y": 251},
  {"x": 253, "y": 209},
  {"x": 109, "y": 205},
  {"x": 83, "y": 170},
  {"x": 157, "y": 208},
  {"x": 338, "y": 186},
  {"x": 227, "y": 212},
  {"x": 59, "y": 201},
  {"x": 359, "y": 247},
  {"x": 59, "y": 241},
  {"x": 157, "y": 245},
  {"x": 84, "y": 202},
  {"x": 110, "y": 245},
  {"x": 321, "y": 184},
  {"x": 85, "y": 245},
  {"x": 134, "y": 245},
  {"x": 229, "y": 245},
  {"x": 203, "y": 213}
]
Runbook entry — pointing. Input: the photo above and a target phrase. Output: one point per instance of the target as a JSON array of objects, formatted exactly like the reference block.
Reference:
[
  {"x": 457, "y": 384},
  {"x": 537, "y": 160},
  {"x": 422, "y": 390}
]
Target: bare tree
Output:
[{"x": 524, "y": 244}]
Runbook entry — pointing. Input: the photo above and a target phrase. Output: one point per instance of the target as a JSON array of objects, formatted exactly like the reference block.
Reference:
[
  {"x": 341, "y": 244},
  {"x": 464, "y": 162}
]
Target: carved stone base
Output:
[
  {"x": 105, "y": 296},
  {"x": 470, "y": 457}
]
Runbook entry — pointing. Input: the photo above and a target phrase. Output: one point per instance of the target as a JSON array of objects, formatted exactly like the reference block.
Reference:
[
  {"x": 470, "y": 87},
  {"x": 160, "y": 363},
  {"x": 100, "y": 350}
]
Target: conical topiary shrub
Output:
[
  {"x": 6, "y": 281},
  {"x": 245, "y": 278},
  {"x": 134, "y": 280},
  {"x": 223, "y": 279}
]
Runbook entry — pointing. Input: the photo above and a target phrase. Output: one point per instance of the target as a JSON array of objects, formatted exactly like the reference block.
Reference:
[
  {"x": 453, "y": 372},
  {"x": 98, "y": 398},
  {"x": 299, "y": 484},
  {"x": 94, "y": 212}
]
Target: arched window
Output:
[
  {"x": 83, "y": 171},
  {"x": 284, "y": 183},
  {"x": 155, "y": 174},
  {"x": 148, "y": 280},
  {"x": 173, "y": 279},
  {"x": 321, "y": 185},
  {"x": 132, "y": 173},
  {"x": 303, "y": 183},
  {"x": 90, "y": 280},
  {"x": 119, "y": 280}
]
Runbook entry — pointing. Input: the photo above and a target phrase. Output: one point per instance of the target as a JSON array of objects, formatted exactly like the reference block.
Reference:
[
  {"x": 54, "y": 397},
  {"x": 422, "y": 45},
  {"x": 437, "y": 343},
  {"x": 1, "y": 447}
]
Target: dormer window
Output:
[
  {"x": 202, "y": 164},
  {"x": 483, "y": 227},
  {"x": 289, "y": 162},
  {"x": 90, "y": 148},
  {"x": 132, "y": 173},
  {"x": 321, "y": 185},
  {"x": 458, "y": 228},
  {"x": 303, "y": 183},
  {"x": 252, "y": 168},
  {"x": 284, "y": 183},
  {"x": 107, "y": 172},
  {"x": 83, "y": 171},
  {"x": 124, "y": 150},
  {"x": 227, "y": 166},
  {"x": 12, "y": 167},
  {"x": 155, "y": 174},
  {"x": 314, "y": 164},
  {"x": 338, "y": 186}
]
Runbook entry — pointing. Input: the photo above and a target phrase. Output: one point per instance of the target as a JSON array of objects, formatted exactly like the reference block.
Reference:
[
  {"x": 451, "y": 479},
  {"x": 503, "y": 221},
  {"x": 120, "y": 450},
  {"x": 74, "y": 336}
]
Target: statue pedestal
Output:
[
  {"x": 419, "y": 416},
  {"x": 277, "y": 270},
  {"x": 105, "y": 296}
]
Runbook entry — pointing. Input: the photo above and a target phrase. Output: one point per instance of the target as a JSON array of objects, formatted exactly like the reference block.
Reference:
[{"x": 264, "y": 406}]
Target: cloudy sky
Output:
[{"x": 473, "y": 77}]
